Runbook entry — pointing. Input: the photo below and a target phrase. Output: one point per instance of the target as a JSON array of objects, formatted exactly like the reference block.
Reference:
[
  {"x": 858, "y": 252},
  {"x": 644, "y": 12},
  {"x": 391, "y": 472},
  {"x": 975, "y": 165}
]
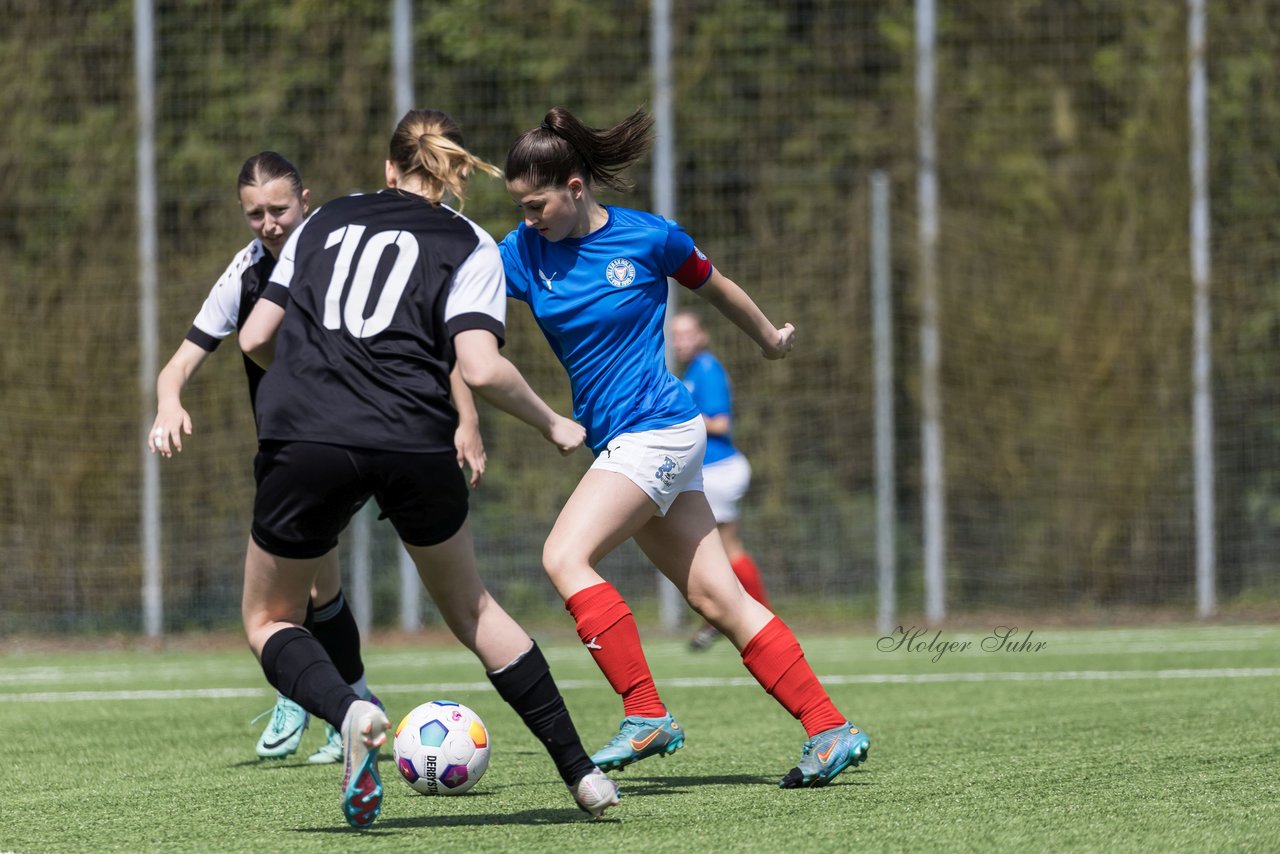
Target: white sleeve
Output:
[
  {"x": 221, "y": 310},
  {"x": 479, "y": 286},
  {"x": 283, "y": 273}
]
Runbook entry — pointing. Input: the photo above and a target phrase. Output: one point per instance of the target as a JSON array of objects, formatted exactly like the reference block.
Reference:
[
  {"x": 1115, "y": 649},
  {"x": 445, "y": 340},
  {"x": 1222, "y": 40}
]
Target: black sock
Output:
[
  {"x": 296, "y": 665},
  {"x": 335, "y": 627},
  {"x": 527, "y": 686}
]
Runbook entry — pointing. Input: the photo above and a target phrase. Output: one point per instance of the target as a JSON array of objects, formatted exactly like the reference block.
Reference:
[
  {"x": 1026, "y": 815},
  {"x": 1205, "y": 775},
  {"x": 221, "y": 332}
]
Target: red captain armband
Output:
[{"x": 695, "y": 270}]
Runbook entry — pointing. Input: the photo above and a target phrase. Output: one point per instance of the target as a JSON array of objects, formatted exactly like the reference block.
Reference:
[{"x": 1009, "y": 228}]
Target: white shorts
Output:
[
  {"x": 663, "y": 462},
  {"x": 726, "y": 482}
]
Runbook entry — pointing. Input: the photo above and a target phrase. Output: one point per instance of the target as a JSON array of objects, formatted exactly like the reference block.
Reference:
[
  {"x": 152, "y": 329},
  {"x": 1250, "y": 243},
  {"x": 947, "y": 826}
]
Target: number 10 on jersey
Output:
[{"x": 366, "y": 260}]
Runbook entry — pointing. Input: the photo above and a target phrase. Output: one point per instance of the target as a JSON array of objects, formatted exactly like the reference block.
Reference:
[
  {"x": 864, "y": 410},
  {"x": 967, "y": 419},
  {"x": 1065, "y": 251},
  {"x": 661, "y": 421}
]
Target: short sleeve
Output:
[
  {"x": 516, "y": 267},
  {"x": 282, "y": 275},
  {"x": 477, "y": 296},
  {"x": 682, "y": 260},
  {"x": 221, "y": 310}
]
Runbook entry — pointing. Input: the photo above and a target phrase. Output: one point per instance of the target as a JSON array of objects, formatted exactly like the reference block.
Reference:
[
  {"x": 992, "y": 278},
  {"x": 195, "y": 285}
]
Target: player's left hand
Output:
[
  {"x": 782, "y": 346},
  {"x": 470, "y": 447}
]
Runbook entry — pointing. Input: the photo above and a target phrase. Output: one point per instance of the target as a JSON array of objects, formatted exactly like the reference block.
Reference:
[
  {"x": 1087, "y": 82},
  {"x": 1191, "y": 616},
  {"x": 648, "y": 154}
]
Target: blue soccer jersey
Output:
[
  {"x": 600, "y": 300},
  {"x": 708, "y": 382}
]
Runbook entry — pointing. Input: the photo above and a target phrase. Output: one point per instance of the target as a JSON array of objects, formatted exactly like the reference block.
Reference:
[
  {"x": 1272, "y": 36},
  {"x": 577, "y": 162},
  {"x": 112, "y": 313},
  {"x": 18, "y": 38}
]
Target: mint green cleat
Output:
[
  {"x": 826, "y": 755},
  {"x": 284, "y": 730},
  {"x": 329, "y": 752},
  {"x": 639, "y": 738}
]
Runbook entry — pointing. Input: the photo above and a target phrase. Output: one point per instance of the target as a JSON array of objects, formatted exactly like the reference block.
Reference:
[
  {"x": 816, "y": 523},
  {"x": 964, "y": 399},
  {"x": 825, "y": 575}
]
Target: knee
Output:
[
  {"x": 559, "y": 558},
  {"x": 711, "y": 605}
]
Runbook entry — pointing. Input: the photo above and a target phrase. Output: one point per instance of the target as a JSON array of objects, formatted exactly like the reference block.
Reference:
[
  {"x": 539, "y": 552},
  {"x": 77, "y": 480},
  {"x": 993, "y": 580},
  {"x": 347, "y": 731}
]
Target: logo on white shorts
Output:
[
  {"x": 668, "y": 471},
  {"x": 620, "y": 272}
]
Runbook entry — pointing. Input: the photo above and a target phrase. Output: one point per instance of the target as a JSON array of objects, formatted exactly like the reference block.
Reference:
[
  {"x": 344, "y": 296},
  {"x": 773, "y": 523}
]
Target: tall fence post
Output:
[
  {"x": 670, "y": 604},
  {"x": 882, "y": 338},
  {"x": 1202, "y": 334},
  {"x": 402, "y": 71},
  {"x": 148, "y": 335},
  {"x": 930, "y": 357}
]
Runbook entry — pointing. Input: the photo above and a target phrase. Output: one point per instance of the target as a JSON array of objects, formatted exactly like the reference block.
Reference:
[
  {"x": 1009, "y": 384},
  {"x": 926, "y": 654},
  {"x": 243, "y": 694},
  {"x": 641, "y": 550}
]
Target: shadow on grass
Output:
[
  {"x": 645, "y": 786},
  {"x": 525, "y": 817}
]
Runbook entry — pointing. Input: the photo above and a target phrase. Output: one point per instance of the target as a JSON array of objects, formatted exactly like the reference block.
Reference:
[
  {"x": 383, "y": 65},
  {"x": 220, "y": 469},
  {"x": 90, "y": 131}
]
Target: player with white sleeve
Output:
[{"x": 274, "y": 203}]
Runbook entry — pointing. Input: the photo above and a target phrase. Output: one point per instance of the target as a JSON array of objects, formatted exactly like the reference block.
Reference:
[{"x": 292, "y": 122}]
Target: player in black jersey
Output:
[
  {"x": 384, "y": 292},
  {"x": 274, "y": 203}
]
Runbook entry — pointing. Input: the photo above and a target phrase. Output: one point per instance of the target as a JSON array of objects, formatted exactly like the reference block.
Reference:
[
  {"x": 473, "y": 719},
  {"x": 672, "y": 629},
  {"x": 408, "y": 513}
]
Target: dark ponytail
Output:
[{"x": 562, "y": 146}]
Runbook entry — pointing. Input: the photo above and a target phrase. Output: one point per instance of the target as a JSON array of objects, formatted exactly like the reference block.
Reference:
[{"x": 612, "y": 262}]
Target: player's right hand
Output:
[
  {"x": 168, "y": 427},
  {"x": 566, "y": 434}
]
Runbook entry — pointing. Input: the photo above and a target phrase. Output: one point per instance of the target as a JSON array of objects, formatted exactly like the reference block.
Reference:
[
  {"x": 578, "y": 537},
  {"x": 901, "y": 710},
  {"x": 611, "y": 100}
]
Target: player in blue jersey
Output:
[
  {"x": 595, "y": 279},
  {"x": 274, "y": 203},
  {"x": 385, "y": 292},
  {"x": 726, "y": 473}
]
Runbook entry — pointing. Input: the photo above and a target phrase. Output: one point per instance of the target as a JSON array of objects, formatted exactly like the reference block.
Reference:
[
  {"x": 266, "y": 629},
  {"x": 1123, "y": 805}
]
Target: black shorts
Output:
[{"x": 308, "y": 492}]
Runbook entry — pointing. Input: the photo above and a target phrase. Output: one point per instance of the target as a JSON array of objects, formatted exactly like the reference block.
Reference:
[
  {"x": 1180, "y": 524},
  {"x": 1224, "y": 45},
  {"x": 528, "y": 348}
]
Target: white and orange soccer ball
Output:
[{"x": 442, "y": 748}]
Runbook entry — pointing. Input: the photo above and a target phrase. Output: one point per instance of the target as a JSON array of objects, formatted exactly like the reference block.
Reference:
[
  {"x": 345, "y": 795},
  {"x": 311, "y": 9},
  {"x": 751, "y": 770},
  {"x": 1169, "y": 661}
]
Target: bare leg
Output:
[
  {"x": 275, "y": 593},
  {"x": 732, "y": 542},
  {"x": 328, "y": 579},
  {"x": 686, "y": 548},
  {"x": 452, "y": 579},
  {"x": 604, "y": 511}
]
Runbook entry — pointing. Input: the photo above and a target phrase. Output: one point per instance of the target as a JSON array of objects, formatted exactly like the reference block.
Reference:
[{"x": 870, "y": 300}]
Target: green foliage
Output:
[{"x": 1066, "y": 322}]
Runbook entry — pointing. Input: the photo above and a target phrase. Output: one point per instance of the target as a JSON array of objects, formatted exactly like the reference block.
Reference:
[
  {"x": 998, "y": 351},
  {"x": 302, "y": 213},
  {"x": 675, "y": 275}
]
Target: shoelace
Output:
[{"x": 277, "y": 721}]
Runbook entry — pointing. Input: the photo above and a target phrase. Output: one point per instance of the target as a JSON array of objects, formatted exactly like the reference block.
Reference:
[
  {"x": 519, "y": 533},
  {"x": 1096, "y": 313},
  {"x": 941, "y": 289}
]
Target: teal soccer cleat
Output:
[
  {"x": 364, "y": 732},
  {"x": 826, "y": 755},
  {"x": 284, "y": 730},
  {"x": 640, "y": 738}
]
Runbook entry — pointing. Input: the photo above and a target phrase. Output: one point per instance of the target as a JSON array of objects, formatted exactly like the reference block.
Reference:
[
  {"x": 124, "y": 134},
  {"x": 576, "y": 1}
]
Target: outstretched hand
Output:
[{"x": 782, "y": 345}]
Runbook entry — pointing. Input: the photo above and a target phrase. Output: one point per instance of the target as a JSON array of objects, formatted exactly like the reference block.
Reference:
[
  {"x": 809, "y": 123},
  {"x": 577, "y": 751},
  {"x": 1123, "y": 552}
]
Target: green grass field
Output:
[{"x": 1148, "y": 739}]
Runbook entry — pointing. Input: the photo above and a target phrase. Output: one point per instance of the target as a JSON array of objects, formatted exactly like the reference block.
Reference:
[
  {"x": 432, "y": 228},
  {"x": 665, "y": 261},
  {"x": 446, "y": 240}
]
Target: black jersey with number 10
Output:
[{"x": 375, "y": 287}]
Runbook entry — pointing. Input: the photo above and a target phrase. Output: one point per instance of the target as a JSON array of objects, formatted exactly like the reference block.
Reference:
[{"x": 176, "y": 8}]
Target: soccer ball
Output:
[{"x": 442, "y": 748}]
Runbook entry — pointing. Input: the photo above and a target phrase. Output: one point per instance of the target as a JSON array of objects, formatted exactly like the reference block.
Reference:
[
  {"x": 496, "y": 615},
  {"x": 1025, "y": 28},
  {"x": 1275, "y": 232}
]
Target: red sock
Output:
[
  {"x": 608, "y": 630},
  {"x": 776, "y": 660},
  {"x": 749, "y": 574}
]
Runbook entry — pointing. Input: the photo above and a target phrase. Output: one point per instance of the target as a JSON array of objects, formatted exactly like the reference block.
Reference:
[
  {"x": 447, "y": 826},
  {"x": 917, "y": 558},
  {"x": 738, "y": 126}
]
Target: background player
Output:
[
  {"x": 726, "y": 474},
  {"x": 274, "y": 202},
  {"x": 595, "y": 278},
  {"x": 382, "y": 290}
]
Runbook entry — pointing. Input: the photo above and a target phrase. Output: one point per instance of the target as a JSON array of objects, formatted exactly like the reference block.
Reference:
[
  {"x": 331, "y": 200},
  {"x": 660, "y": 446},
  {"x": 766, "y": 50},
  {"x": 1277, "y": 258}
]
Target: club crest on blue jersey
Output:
[
  {"x": 620, "y": 272},
  {"x": 667, "y": 471}
]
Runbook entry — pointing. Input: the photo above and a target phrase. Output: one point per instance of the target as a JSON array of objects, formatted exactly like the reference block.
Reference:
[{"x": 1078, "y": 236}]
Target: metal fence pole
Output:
[
  {"x": 148, "y": 335},
  {"x": 930, "y": 358},
  {"x": 882, "y": 337},
  {"x": 670, "y": 603},
  {"x": 1202, "y": 340},
  {"x": 402, "y": 71}
]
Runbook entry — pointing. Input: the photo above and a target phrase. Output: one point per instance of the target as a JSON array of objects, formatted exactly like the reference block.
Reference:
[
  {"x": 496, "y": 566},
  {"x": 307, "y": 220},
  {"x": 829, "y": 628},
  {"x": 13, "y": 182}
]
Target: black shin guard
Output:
[
  {"x": 527, "y": 686},
  {"x": 296, "y": 664},
  {"x": 335, "y": 627}
]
